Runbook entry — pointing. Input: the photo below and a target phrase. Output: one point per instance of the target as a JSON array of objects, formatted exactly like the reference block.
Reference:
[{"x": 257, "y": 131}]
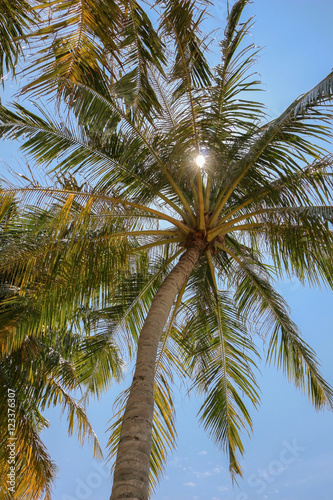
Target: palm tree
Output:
[
  {"x": 206, "y": 201},
  {"x": 40, "y": 367}
]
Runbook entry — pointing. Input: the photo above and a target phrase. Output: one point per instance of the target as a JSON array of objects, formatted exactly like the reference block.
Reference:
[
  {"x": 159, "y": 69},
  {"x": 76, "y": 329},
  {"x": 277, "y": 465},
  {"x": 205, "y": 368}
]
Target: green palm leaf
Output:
[
  {"x": 257, "y": 298},
  {"x": 220, "y": 358},
  {"x": 77, "y": 38},
  {"x": 17, "y": 17}
]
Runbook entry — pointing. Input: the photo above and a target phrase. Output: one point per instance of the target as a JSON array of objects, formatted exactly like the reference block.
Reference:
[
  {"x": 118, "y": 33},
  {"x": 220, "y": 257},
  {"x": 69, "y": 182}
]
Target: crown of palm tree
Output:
[{"x": 175, "y": 206}]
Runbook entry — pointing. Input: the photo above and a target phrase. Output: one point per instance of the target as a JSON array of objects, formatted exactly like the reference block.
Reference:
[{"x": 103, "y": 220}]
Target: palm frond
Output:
[
  {"x": 289, "y": 138},
  {"x": 257, "y": 299},
  {"x": 150, "y": 164},
  {"x": 98, "y": 364},
  {"x": 142, "y": 49},
  {"x": 219, "y": 355},
  {"x": 17, "y": 17},
  {"x": 78, "y": 39}
]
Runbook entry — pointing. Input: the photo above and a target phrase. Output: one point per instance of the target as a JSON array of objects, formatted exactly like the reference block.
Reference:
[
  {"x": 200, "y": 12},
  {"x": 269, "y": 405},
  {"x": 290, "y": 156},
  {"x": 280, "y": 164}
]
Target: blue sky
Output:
[{"x": 289, "y": 456}]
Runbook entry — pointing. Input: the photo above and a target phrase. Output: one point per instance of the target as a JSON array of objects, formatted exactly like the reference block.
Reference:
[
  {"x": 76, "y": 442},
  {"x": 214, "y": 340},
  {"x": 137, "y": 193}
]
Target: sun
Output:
[{"x": 200, "y": 160}]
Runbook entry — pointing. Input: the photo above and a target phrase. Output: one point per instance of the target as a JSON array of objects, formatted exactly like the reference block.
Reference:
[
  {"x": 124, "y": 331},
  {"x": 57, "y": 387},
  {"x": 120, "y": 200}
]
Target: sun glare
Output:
[{"x": 200, "y": 160}]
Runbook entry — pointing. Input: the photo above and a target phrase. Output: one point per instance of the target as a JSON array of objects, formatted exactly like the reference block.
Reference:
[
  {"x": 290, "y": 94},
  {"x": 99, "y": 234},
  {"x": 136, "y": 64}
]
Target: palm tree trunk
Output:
[{"x": 133, "y": 457}]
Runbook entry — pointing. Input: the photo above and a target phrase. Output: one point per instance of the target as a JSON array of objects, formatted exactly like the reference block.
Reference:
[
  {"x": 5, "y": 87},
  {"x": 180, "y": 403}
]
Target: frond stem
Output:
[
  {"x": 113, "y": 201},
  {"x": 158, "y": 243}
]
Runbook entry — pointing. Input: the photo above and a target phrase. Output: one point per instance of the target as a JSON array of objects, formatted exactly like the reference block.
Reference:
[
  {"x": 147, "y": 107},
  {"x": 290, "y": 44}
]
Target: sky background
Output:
[{"x": 289, "y": 456}]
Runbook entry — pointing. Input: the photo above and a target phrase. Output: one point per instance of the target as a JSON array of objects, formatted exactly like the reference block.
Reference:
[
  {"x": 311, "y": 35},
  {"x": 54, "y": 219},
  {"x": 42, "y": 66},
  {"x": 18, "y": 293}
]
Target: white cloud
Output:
[
  {"x": 200, "y": 475},
  {"x": 203, "y": 452},
  {"x": 189, "y": 484},
  {"x": 176, "y": 463}
]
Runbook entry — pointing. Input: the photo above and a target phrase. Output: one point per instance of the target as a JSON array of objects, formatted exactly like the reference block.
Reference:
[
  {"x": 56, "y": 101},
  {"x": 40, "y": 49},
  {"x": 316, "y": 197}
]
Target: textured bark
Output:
[{"x": 133, "y": 458}]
